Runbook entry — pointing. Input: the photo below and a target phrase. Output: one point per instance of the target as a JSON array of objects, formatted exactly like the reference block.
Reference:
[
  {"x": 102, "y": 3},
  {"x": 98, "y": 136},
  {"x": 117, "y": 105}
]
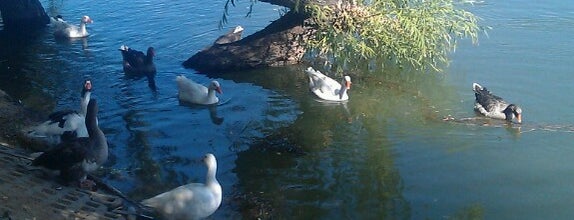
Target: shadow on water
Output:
[
  {"x": 212, "y": 109},
  {"x": 73, "y": 41},
  {"x": 146, "y": 168},
  {"x": 31, "y": 71},
  {"x": 17, "y": 76},
  {"x": 316, "y": 165},
  {"x": 149, "y": 78}
]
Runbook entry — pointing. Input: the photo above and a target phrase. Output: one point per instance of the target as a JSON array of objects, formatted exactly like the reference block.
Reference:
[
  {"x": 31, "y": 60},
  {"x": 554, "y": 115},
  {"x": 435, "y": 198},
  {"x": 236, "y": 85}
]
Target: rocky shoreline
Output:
[{"x": 13, "y": 118}]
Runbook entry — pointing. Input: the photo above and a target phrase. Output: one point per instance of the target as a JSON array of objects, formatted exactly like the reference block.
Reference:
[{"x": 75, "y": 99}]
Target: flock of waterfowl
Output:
[{"x": 80, "y": 146}]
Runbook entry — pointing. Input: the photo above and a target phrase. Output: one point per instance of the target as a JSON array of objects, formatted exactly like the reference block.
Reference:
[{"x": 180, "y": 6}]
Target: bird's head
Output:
[
  {"x": 214, "y": 85},
  {"x": 150, "y": 51},
  {"x": 87, "y": 20},
  {"x": 238, "y": 29},
  {"x": 513, "y": 111},
  {"x": 87, "y": 86},
  {"x": 347, "y": 82}
]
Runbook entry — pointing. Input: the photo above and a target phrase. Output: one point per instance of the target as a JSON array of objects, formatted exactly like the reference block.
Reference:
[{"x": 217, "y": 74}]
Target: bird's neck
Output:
[
  {"x": 151, "y": 81},
  {"x": 148, "y": 59},
  {"x": 94, "y": 131},
  {"x": 92, "y": 126},
  {"x": 211, "y": 94},
  {"x": 84, "y": 103},
  {"x": 83, "y": 28},
  {"x": 210, "y": 178},
  {"x": 97, "y": 136},
  {"x": 343, "y": 88},
  {"x": 212, "y": 184}
]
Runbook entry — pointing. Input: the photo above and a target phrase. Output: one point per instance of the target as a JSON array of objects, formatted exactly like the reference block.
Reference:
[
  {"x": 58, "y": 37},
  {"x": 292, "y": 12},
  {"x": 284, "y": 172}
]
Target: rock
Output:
[
  {"x": 280, "y": 43},
  {"x": 13, "y": 118}
]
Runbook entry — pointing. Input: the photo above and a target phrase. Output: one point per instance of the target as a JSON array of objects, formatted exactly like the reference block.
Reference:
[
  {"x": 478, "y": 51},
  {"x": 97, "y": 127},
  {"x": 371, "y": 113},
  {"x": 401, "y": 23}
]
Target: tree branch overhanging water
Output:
[{"x": 413, "y": 33}]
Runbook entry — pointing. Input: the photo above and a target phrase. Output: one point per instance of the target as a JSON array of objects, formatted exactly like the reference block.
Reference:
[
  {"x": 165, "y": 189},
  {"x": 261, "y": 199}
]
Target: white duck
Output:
[
  {"x": 493, "y": 106},
  {"x": 191, "y": 201},
  {"x": 64, "y": 124},
  {"x": 192, "y": 92},
  {"x": 327, "y": 88},
  {"x": 65, "y": 30}
]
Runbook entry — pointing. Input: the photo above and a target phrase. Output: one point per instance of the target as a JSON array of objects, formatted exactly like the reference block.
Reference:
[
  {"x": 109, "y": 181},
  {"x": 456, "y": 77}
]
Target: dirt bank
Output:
[{"x": 13, "y": 118}]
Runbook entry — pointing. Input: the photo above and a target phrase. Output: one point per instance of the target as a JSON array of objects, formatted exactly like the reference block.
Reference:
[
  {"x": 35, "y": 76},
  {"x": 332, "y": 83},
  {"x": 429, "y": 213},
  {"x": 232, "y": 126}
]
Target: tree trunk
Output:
[
  {"x": 23, "y": 14},
  {"x": 280, "y": 43}
]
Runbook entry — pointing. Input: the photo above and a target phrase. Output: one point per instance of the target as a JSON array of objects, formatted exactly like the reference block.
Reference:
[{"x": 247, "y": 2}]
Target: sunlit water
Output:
[{"x": 386, "y": 153}]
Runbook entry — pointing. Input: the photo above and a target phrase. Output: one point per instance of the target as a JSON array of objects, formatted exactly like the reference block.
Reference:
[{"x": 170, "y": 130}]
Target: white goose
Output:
[
  {"x": 65, "y": 30},
  {"x": 327, "y": 88},
  {"x": 192, "y": 92},
  {"x": 64, "y": 124},
  {"x": 191, "y": 201},
  {"x": 493, "y": 106}
]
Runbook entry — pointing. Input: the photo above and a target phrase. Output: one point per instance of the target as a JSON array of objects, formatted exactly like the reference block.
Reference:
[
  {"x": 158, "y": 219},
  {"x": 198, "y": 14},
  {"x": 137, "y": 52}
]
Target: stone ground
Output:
[{"x": 31, "y": 193}]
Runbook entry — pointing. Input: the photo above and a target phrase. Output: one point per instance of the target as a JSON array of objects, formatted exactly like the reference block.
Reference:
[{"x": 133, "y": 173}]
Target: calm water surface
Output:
[{"x": 384, "y": 154}]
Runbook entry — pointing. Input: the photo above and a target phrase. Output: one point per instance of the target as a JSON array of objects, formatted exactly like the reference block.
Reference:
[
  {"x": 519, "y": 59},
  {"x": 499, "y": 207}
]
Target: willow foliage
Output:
[{"x": 420, "y": 33}]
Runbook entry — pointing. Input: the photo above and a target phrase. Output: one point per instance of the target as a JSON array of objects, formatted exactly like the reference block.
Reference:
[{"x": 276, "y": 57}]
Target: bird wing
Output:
[
  {"x": 64, "y": 155},
  {"x": 133, "y": 57},
  {"x": 189, "y": 201},
  {"x": 60, "y": 117},
  {"x": 319, "y": 81},
  {"x": 189, "y": 85},
  {"x": 58, "y": 23},
  {"x": 489, "y": 101}
]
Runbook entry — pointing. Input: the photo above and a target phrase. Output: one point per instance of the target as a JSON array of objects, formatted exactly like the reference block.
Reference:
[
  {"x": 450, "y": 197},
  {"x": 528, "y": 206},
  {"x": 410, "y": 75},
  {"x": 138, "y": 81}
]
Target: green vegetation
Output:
[{"x": 418, "y": 33}]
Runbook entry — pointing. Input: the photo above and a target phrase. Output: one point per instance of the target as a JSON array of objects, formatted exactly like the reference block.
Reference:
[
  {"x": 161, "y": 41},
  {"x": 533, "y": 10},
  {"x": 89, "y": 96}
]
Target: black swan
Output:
[{"x": 136, "y": 63}]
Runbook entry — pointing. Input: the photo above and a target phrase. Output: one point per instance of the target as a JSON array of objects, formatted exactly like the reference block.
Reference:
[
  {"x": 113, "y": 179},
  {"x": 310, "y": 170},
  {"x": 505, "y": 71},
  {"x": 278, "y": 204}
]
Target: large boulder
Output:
[{"x": 280, "y": 43}]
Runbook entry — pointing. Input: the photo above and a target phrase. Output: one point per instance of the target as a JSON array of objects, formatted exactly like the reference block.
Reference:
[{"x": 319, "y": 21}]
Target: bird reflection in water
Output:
[
  {"x": 514, "y": 129},
  {"x": 72, "y": 41},
  {"x": 215, "y": 119},
  {"x": 213, "y": 115}
]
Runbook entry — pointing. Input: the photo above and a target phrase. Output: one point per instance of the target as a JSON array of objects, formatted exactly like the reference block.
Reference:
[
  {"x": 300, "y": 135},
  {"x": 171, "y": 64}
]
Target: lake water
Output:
[{"x": 386, "y": 153}]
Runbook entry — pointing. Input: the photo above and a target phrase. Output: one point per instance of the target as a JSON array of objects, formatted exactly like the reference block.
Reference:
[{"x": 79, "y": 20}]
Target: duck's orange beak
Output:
[
  {"x": 219, "y": 90},
  {"x": 519, "y": 118},
  {"x": 348, "y": 85}
]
